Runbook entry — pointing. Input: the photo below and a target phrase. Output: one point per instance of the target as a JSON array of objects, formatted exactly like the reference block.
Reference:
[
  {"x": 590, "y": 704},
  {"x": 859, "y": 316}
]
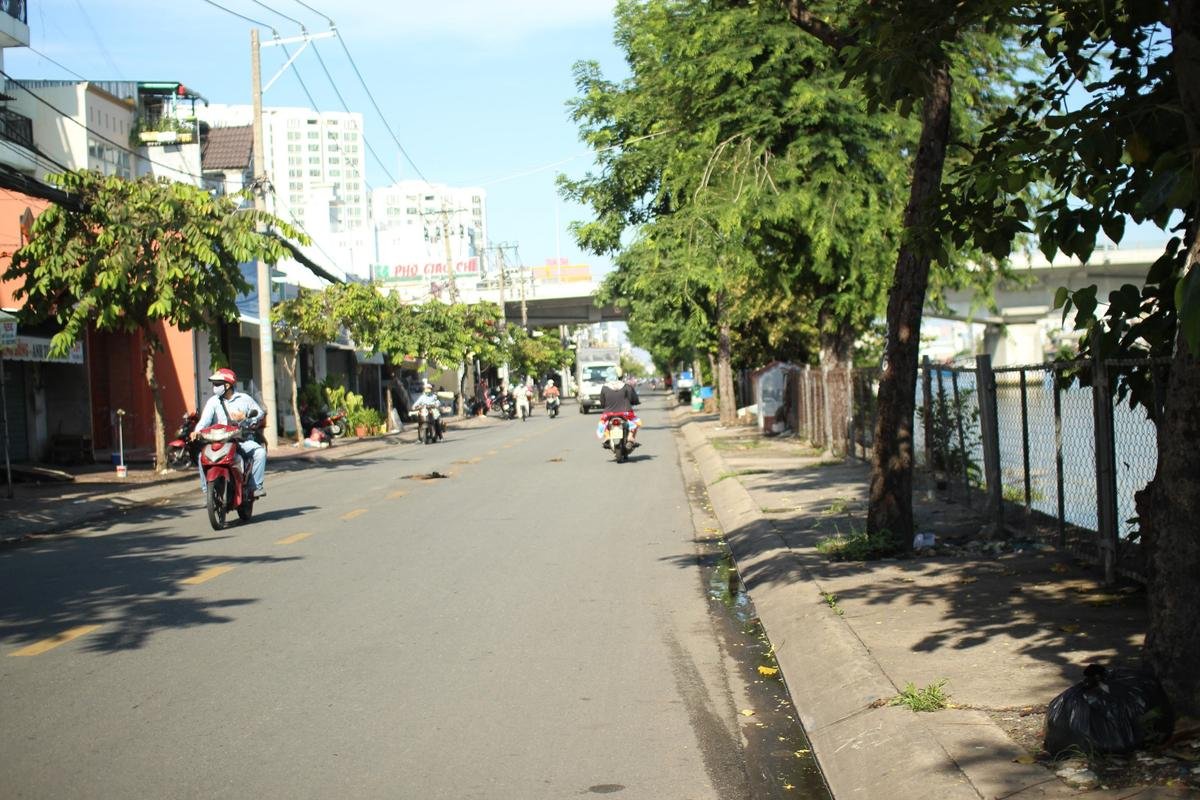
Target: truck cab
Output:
[{"x": 592, "y": 377}]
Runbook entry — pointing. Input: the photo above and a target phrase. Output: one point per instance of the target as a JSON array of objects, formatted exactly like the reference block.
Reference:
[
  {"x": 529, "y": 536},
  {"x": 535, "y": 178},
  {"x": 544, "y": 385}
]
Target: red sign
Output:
[{"x": 427, "y": 271}]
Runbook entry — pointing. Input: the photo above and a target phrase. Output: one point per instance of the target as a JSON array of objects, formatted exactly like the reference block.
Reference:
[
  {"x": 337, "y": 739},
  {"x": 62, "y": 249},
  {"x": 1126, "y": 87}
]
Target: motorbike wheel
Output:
[
  {"x": 177, "y": 457},
  {"x": 428, "y": 434},
  {"x": 335, "y": 429},
  {"x": 246, "y": 509},
  {"x": 217, "y": 507}
]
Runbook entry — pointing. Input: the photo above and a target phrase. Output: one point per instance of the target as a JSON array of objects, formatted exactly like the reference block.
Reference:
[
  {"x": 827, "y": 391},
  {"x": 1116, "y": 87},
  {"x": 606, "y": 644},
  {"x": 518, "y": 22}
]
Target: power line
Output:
[
  {"x": 378, "y": 111},
  {"x": 240, "y": 16},
  {"x": 32, "y": 49},
  {"x": 346, "y": 108},
  {"x": 280, "y": 13}
]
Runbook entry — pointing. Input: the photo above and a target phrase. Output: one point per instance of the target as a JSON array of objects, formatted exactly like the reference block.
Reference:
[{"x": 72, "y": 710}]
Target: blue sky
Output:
[{"x": 474, "y": 90}]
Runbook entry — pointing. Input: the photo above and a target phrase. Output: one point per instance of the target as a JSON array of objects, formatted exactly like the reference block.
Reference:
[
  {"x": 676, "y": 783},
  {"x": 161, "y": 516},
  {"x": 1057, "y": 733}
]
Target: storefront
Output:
[{"x": 46, "y": 400}]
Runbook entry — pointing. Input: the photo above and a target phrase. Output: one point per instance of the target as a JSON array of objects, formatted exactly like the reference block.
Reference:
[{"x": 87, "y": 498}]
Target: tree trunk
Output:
[
  {"x": 837, "y": 348},
  {"x": 890, "y": 506},
  {"x": 1170, "y": 504},
  {"x": 726, "y": 401},
  {"x": 292, "y": 365},
  {"x": 160, "y": 439}
]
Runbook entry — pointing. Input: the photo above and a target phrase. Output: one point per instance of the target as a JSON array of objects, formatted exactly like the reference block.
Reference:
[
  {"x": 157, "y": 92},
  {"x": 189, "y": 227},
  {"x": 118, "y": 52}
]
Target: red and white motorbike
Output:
[{"x": 226, "y": 470}]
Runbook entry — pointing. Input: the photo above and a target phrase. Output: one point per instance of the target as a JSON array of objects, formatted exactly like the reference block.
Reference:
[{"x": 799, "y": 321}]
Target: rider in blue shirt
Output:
[{"x": 230, "y": 407}]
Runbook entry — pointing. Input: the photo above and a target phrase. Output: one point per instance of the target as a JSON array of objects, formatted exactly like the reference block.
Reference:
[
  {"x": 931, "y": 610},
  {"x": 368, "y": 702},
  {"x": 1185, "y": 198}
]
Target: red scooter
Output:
[{"x": 225, "y": 470}]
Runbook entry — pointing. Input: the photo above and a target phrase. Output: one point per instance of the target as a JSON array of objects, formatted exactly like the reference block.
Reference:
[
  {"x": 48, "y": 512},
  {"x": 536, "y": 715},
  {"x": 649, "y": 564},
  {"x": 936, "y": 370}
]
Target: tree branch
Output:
[{"x": 799, "y": 13}]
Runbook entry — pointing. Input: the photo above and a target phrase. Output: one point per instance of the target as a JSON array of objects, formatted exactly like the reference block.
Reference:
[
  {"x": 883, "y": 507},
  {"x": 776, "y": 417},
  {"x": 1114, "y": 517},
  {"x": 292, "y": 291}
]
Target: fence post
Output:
[
  {"x": 1106, "y": 469},
  {"x": 1058, "y": 461},
  {"x": 1025, "y": 449},
  {"x": 989, "y": 429},
  {"x": 927, "y": 410},
  {"x": 825, "y": 406},
  {"x": 849, "y": 411}
]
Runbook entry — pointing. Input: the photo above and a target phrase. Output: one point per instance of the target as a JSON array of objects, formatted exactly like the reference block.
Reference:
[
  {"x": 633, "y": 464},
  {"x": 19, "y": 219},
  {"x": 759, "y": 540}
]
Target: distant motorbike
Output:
[
  {"x": 617, "y": 428},
  {"x": 552, "y": 406},
  {"x": 183, "y": 451},
  {"x": 226, "y": 470},
  {"x": 429, "y": 424},
  {"x": 507, "y": 405}
]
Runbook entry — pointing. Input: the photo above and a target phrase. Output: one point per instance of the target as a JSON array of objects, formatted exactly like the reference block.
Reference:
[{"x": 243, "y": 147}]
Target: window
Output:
[
  {"x": 293, "y": 148},
  {"x": 331, "y": 134},
  {"x": 314, "y": 160},
  {"x": 293, "y": 135},
  {"x": 314, "y": 173},
  {"x": 334, "y": 160},
  {"x": 314, "y": 134},
  {"x": 314, "y": 148},
  {"x": 335, "y": 172},
  {"x": 296, "y": 186}
]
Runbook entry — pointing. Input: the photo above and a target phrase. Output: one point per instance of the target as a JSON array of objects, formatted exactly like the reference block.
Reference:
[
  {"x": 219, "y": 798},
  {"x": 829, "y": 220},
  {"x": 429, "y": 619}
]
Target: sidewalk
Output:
[
  {"x": 96, "y": 493},
  {"x": 1006, "y": 630}
]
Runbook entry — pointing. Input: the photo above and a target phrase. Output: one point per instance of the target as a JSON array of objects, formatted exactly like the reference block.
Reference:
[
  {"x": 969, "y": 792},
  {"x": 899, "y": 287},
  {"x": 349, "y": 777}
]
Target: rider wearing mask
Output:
[
  {"x": 428, "y": 398},
  {"x": 230, "y": 407}
]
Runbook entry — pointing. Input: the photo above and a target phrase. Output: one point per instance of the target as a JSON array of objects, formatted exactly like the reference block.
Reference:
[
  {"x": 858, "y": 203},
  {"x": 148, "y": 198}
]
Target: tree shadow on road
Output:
[{"x": 130, "y": 584}]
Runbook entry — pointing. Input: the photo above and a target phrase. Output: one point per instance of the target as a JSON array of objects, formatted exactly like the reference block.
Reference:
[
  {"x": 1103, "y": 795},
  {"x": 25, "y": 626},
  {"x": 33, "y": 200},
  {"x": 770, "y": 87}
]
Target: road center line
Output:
[
  {"x": 295, "y": 537},
  {"x": 349, "y": 515},
  {"x": 396, "y": 495},
  {"x": 207, "y": 575},
  {"x": 37, "y": 648}
]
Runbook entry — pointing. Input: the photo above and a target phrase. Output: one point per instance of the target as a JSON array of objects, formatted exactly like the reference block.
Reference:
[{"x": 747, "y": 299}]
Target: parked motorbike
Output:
[
  {"x": 226, "y": 470},
  {"x": 552, "y": 406},
  {"x": 507, "y": 405},
  {"x": 429, "y": 424},
  {"x": 183, "y": 451},
  {"x": 617, "y": 429},
  {"x": 329, "y": 425}
]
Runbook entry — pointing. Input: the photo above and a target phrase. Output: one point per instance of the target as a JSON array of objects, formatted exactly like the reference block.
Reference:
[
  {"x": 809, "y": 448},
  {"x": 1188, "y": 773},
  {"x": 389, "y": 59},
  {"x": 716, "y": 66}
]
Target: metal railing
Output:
[
  {"x": 15, "y": 9},
  {"x": 1040, "y": 454}
]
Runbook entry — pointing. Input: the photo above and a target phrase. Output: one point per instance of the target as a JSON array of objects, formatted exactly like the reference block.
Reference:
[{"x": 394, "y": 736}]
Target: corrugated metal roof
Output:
[{"x": 227, "y": 148}]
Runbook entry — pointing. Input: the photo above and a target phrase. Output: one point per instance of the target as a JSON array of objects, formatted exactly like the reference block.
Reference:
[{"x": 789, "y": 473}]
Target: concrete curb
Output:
[{"x": 864, "y": 751}]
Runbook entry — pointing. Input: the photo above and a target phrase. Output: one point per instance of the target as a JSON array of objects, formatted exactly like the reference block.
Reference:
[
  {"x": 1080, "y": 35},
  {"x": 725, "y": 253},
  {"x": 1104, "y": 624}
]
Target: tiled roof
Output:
[{"x": 227, "y": 148}]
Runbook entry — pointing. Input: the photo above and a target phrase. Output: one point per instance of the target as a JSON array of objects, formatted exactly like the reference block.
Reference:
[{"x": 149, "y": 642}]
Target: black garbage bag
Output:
[{"x": 1112, "y": 710}]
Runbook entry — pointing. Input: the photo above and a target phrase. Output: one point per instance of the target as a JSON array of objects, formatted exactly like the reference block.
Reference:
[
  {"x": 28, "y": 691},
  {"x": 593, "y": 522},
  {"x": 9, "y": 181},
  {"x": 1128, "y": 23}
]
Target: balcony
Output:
[
  {"x": 16, "y": 128},
  {"x": 14, "y": 23}
]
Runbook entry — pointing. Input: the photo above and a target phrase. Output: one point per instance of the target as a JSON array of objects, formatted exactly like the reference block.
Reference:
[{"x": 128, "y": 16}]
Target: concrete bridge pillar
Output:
[{"x": 1014, "y": 343}]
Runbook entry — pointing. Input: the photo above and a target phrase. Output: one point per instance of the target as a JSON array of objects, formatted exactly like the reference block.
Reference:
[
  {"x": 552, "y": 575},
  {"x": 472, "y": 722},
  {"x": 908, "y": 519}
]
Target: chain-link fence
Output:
[{"x": 1043, "y": 454}]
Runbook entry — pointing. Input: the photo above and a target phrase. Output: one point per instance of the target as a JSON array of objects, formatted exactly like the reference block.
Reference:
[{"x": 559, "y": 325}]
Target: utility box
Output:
[{"x": 770, "y": 385}]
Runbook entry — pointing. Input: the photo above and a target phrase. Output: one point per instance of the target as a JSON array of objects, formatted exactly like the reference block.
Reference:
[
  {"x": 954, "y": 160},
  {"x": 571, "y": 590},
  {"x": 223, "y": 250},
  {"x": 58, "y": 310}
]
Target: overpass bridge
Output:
[
  {"x": 548, "y": 303},
  {"x": 1018, "y": 331}
]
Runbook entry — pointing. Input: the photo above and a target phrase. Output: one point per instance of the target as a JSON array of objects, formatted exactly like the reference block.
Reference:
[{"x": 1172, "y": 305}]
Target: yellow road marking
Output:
[
  {"x": 349, "y": 515},
  {"x": 507, "y": 445},
  {"x": 492, "y": 452},
  {"x": 396, "y": 495},
  {"x": 295, "y": 537},
  {"x": 475, "y": 460},
  {"x": 207, "y": 575},
  {"x": 37, "y": 648}
]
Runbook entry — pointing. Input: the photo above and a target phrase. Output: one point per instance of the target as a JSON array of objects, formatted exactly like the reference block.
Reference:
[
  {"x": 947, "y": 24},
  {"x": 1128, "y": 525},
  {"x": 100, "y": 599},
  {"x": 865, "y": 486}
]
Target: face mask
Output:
[{"x": 218, "y": 388}]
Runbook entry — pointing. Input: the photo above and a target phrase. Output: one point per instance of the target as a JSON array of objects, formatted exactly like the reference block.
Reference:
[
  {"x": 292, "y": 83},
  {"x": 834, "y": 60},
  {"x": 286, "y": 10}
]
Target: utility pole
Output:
[
  {"x": 449, "y": 254},
  {"x": 524, "y": 308},
  {"x": 500, "y": 250},
  {"x": 266, "y": 349}
]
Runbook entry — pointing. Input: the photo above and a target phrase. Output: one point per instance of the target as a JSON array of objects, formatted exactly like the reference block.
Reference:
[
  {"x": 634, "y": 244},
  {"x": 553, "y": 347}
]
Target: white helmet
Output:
[
  {"x": 550, "y": 382},
  {"x": 427, "y": 386}
]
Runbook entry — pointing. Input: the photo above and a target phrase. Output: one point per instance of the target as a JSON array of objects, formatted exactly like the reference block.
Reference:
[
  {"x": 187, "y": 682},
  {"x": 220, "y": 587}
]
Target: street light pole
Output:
[{"x": 266, "y": 349}]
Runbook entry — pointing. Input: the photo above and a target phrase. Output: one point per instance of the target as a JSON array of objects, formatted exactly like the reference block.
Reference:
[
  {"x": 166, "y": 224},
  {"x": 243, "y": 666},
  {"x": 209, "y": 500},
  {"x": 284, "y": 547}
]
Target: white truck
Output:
[{"x": 594, "y": 367}]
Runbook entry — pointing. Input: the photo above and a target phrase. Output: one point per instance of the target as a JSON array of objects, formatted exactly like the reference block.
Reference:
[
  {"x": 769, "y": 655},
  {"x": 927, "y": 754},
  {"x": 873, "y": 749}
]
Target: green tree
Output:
[
  {"x": 536, "y": 353},
  {"x": 1111, "y": 132},
  {"x": 906, "y": 55},
  {"x": 306, "y": 319},
  {"x": 749, "y": 169},
  {"x": 139, "y": 254}
]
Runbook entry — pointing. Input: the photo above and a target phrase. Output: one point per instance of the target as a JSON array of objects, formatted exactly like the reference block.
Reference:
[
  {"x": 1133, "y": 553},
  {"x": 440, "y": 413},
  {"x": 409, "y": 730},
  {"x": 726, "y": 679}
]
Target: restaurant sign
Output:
[
  {"x": 37, "y": 348},
  {"x": 425, "y": 271}
]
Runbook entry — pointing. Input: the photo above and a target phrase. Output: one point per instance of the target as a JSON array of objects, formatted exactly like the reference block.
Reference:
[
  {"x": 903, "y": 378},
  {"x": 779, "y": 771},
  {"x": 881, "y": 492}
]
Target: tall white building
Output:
[
  {"x": 413, "y": 221},
  {"x": 310, "y": 156}
]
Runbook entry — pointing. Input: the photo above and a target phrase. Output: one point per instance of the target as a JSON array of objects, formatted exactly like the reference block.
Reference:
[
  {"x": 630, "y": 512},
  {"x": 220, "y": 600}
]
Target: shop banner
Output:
[{"x": 36, "y": 348}]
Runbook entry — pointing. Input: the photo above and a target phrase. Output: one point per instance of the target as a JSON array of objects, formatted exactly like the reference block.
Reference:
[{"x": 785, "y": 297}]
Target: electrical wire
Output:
[
  {"x": 36, "y": 155},
  {"x": 346, "y": 108},
  {"x": 240, "y": 16},
  {"x": 378, "y": 111},
  {"x": 261, "y": 4}
]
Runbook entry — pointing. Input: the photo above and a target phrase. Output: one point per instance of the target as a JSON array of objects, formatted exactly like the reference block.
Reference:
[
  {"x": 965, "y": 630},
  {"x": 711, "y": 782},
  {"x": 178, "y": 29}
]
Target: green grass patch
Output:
[
  {"x": 737, "y": 473},
  {"x": 839, "y": 505},
  {"x": 858, "y": 546},
  {"x": 932, "y": 698},
  {"x": 831, "y": 600}
]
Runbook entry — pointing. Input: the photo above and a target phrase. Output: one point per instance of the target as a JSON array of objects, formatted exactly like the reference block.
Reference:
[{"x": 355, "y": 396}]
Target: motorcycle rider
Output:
[
  {"x": 550, "y": 391},
  {"x": 230, "y": 407},
  {"x": 428, "y": 398},
  {"x": 522, "y": 392},
  {"x": 619, "y": 397}
]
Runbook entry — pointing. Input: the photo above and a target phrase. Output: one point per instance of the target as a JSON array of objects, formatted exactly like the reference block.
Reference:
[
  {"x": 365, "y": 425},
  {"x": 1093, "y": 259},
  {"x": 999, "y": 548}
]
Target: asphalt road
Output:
[{"x": 533, "y": 625}]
